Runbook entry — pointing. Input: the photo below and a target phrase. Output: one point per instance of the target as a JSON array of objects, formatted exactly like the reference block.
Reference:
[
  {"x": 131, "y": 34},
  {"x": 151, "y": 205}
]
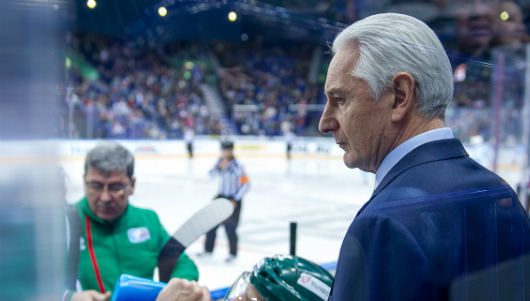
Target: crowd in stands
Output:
[
  {"x": 489, "y": 61},
  {"x": 142, "y": 91},
  {"x": 266, "y": 86},
  {"x": 146, "y": 90}
]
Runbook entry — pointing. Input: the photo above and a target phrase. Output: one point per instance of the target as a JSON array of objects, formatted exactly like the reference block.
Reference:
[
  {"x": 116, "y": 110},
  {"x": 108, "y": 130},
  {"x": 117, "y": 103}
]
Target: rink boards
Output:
[{"x": 509, "y": 157}]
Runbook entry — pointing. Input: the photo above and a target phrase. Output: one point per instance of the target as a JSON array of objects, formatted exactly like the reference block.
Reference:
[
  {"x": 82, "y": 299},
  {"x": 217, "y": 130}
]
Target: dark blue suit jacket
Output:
[{"x": 439, "y": 226}]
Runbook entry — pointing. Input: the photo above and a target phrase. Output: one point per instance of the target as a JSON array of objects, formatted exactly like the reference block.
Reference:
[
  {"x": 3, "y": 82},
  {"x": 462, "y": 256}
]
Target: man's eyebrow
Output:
[
  {"x": 102, "y": 183},
  {"x": 333, "y": 91}
]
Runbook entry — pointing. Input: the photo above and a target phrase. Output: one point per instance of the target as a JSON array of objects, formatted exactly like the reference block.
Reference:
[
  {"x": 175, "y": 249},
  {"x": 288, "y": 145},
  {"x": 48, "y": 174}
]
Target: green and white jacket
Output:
[{"x": 128, "y": 245}]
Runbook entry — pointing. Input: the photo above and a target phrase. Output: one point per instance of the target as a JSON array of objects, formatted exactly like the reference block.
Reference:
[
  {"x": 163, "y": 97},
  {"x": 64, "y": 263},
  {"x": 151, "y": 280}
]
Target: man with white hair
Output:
[{"x": 436, "y": 219}]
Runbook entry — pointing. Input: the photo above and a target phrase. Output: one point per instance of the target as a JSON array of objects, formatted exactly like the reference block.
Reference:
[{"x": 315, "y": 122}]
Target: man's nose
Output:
[
  {"x": 105, "y": 196},
  {"x": 328, "y": 122}
]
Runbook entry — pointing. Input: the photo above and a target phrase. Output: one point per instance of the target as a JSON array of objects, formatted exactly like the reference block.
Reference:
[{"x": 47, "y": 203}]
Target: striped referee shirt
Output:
[{"x": 234, "y": 182}]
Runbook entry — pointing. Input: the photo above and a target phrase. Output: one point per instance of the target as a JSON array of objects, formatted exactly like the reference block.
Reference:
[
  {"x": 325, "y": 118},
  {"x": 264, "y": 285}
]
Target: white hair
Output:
[{"x": 390, "y": 43}]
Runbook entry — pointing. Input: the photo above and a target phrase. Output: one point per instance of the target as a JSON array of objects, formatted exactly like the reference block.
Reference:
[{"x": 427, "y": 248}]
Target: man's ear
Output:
[
  {"x": 404, "y": 99},
  {"x": 133, "y": 182}
]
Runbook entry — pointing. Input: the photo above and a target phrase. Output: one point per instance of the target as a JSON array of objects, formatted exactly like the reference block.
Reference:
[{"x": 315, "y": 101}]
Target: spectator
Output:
[
  {"x": 510, "y": 27},
  {"x": 475, "y": 29}
]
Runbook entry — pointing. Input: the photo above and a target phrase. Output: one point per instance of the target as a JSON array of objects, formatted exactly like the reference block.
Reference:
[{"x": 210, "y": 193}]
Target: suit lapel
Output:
[{"x": 425, "y": 153}]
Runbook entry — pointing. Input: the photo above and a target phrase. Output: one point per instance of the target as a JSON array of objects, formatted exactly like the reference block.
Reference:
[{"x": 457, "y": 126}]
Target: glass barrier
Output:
[{"x": 468, "y": 245}]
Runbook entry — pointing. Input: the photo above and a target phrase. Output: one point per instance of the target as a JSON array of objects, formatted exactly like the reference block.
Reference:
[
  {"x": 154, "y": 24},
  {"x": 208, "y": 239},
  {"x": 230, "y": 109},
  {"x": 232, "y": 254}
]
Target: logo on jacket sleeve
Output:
[{"x": 138, "y": 235}]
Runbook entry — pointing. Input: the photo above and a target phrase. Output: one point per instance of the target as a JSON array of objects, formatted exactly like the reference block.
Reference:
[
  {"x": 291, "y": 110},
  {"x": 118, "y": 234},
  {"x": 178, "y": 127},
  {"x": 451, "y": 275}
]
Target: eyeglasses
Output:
[{"x": 114, "y": 189}]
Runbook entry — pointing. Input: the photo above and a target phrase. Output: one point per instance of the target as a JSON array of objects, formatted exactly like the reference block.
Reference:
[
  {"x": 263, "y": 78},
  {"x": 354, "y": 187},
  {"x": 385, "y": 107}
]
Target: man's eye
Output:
[
  {"x": 95, "y": 186},
  {"x": 339, "y": 100},
  {"x": 115, "y": 187}
]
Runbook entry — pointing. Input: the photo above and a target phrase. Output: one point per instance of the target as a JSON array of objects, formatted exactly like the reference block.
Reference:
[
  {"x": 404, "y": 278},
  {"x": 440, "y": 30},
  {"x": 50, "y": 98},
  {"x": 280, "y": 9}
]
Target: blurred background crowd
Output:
[
  {"x": 267, "y": 80},
  {"x": 133, "y": 89}
]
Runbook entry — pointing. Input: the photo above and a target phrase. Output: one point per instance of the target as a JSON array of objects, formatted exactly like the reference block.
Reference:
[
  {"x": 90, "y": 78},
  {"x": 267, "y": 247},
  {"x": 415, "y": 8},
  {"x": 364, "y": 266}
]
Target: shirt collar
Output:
[{"x": 406, "y": 147}]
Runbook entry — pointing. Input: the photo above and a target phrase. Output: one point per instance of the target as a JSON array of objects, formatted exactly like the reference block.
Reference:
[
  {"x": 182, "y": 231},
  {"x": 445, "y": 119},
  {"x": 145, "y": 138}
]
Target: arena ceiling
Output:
[{"x": 298, "y": 18}]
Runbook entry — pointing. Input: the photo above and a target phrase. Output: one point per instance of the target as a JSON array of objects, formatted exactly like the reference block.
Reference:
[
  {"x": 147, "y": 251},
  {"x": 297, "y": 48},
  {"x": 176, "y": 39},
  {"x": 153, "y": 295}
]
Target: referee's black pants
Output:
[{"x": 230, "y": 228}]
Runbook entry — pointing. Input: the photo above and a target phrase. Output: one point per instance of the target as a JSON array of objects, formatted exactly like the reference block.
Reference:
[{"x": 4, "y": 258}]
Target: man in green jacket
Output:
[{"x": 117, "y": 237}]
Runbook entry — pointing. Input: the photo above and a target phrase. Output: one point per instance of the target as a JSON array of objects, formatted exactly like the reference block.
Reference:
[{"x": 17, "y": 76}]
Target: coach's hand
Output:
[{"x": 183, "y": 290}]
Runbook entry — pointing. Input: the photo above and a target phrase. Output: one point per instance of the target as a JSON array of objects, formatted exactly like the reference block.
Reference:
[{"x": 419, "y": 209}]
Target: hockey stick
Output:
[{"x": 201, "y": 222}]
